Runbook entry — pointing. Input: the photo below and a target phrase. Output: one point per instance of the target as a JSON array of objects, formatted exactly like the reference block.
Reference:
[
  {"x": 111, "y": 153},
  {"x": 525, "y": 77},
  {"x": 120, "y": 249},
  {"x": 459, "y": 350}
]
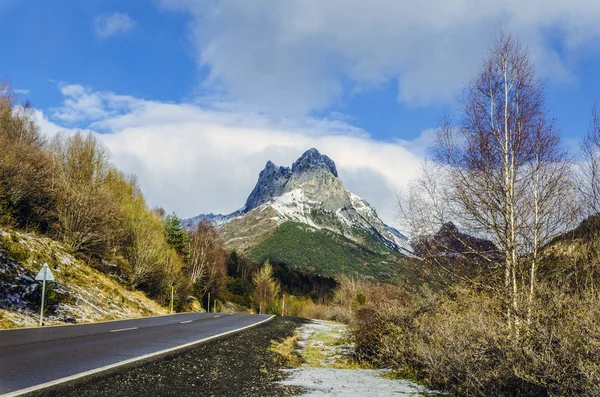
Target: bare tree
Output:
[
  {"x": 87, "y": 214},
  {"x": 589, "y": 166},
  {"x": 206, "y": 256},
  {"x": 551, "y": 193},
  {"x": 504, "y": 164},
  {"x": 26, "y": 169}
]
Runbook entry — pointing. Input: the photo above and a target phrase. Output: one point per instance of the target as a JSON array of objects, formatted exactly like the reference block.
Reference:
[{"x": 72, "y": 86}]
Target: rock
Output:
[
  {"x": 271, "y": 183},
  {"x": 311, "y": 160}
]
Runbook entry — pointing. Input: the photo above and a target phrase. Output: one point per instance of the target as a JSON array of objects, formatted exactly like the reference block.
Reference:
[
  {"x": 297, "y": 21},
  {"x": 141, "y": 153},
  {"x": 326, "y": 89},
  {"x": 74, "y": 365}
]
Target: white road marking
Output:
[
  {"x": 216, "y": 316},
  {"x": 185, "y": 322},
  {"x": 97, "y": 370},
  {"x": 123, "y": 329}
]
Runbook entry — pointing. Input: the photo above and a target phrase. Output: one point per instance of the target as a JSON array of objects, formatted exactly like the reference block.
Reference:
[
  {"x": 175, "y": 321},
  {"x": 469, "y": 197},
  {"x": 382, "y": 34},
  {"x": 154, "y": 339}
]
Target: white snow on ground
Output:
[
  {"x": 350, "y": 382},
  {"x": 324, "y": 379}
]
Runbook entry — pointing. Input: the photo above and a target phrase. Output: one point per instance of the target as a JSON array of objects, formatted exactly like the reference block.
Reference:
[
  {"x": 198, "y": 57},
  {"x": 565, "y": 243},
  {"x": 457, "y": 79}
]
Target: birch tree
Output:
[{"x": 505, "y": 166}]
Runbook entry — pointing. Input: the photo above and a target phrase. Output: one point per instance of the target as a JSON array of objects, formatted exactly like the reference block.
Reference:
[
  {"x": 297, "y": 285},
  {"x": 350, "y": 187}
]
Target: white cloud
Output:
[
  {"x": 81, "y": 104},
  {"x": 298, "y": 55},
  {"x": 195, "y": 160},
  {"x": 22, "y": 91},
  {"x": 113, "y": 24}
]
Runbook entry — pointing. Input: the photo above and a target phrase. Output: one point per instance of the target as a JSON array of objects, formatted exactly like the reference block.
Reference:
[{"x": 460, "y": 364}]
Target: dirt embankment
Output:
[{"x": 237, "y": 365}]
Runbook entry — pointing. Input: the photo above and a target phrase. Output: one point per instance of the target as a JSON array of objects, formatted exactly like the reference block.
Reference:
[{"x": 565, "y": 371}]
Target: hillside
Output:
[
  {"x": 572, "y": 258},
  {"x": 79, "y": 294},
  {"x": 326, "y": 253}
]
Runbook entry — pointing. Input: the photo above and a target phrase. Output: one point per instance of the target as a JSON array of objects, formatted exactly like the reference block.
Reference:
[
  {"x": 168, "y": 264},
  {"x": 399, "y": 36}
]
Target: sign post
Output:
[
  {"x": 172, "y": 293},
  {"x": 43, "y": 275}
]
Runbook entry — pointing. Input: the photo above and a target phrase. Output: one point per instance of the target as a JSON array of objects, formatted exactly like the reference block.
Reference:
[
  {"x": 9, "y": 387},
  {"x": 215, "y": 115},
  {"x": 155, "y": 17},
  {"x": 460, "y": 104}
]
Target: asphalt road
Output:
[{"x": 34, "y": 356}]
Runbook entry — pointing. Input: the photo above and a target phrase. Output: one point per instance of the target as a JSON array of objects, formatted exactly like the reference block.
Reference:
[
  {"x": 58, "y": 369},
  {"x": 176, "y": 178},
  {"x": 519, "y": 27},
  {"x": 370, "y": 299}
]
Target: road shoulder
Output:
[{"x": 240, "y": 364}]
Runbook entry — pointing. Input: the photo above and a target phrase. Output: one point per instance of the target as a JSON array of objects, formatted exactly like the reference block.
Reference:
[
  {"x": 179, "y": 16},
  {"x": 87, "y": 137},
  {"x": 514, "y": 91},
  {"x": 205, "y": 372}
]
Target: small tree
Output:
[
  {"x": 266, "y": 288},
  {"x": 206, "y": 260},
  {"x": 176, "y": 235}
]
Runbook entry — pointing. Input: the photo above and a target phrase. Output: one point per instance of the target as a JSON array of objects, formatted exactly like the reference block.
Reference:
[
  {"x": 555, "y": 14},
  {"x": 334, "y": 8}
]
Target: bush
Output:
[
  {"x": 457, "y": 341},
  {"x": 236, "y": 286},
  {"x": 310, "y": 309},
  {"x": 51, "y": 300}
]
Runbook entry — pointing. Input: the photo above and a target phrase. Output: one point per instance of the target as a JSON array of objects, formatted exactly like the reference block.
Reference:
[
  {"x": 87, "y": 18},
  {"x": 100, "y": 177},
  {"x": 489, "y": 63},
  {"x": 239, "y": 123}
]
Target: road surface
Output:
[{"x": 35, "y": 356}]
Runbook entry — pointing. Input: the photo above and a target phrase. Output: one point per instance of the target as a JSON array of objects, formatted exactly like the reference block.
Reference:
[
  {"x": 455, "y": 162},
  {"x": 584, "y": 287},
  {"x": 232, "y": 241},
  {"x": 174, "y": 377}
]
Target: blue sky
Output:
[{"x": 174, "y": 86}]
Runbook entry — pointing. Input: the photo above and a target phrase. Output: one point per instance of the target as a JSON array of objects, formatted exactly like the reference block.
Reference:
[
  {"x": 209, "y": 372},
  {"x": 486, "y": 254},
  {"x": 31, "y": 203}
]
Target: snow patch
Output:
[
  {"x": 294, "y": 206},
  {"x": 321, "y": 379}
]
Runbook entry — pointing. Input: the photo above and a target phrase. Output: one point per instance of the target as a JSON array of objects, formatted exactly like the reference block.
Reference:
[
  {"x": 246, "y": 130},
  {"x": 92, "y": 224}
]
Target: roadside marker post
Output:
[
  {"x": 43, "y": 275},
  {"x": 172, "y": 293}
]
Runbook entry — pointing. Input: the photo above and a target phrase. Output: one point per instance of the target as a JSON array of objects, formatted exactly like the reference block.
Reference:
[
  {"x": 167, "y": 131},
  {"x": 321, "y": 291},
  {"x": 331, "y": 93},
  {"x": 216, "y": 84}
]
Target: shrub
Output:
[{"x": 457, "y": 341}]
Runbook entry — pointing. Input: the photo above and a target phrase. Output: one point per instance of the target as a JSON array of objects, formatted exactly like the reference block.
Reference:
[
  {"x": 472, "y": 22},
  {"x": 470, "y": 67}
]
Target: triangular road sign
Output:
[{"x": 45, "y": 273}]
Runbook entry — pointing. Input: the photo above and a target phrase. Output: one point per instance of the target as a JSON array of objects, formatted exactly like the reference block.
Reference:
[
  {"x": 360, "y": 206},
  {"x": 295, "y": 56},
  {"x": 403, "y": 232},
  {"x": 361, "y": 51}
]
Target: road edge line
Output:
[
  {"x": 93, "y": 322},
  {"x": 95, "y": 371}
]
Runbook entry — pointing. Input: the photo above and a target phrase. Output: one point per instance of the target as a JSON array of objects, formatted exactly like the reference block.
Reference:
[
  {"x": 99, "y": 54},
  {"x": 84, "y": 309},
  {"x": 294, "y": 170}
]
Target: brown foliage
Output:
[
  {"x": 68, "y": 189},
  {"x": 26, "y": 170},
  {"x": 207, "y": 259},
  {"x": 456, "y": 341},
  {"x": 87, "y": 213}
]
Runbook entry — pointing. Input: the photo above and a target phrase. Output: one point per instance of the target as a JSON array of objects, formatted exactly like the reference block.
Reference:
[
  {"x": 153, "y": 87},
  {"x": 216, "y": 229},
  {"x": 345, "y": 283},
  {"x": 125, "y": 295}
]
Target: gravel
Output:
[{"x": 236, "y": 365}]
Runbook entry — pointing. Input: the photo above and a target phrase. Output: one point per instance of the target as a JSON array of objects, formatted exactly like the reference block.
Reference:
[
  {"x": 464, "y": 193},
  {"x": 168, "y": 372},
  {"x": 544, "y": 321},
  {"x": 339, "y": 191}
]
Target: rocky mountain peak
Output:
[
  {"x": 312, "y": 159},
  {"x": 309, "y": 192},
  {"x": 271, "y": 183}
]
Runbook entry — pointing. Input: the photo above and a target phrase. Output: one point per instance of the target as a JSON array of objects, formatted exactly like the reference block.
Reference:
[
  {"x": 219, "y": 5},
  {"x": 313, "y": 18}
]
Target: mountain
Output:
[
  {"x": 302, "y": 215},
  {"x": 449, "y": 242}
]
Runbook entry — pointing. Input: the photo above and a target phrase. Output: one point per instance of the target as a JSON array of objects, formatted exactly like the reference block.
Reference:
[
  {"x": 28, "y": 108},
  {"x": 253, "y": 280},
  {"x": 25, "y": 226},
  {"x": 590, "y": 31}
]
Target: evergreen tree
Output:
[{"x": 176, "y": 235}]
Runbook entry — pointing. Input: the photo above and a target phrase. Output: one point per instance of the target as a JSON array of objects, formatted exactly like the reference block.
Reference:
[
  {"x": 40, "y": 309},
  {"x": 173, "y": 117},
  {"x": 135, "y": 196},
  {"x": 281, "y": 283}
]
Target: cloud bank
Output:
[
  {"x": 301, "y": 55},
  {"x": 195, "y": 160}
]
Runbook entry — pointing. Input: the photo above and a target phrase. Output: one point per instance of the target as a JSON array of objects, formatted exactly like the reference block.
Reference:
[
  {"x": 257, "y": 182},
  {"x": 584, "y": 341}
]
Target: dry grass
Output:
[
  {"x": 287, "y": 350},
  {"x": 92, "y": 295},
  {"x": 5, "y": 323},
  {"x": 457, "y": 341}
]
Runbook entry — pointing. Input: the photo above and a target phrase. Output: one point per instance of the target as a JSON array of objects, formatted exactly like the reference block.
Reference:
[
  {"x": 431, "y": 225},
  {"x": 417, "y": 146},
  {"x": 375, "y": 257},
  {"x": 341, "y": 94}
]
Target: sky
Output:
[{"x": 195, "y": 96}]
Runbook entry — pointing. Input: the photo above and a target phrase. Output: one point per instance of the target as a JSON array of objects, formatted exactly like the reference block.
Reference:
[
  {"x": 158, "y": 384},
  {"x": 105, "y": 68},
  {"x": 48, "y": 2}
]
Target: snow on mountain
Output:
[{"x": 310, "y": 192}]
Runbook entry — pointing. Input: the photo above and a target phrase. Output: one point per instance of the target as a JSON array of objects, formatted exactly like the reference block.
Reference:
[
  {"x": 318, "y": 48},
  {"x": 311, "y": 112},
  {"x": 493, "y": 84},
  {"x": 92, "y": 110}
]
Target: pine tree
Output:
[{"x": 175, "y": 233}]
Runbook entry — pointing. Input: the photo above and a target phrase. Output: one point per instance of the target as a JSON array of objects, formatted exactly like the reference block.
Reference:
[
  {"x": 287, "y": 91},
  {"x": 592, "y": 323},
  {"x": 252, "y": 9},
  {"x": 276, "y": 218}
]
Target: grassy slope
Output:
[
  {"x": 83, "y": 292},
  {"x": 327, "y": 253}
]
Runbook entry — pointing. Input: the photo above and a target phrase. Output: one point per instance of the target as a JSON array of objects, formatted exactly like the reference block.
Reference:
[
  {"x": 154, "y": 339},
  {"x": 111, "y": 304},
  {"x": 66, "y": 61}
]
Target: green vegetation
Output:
[
  {"x": 328, "y": 254},
  {"x": 177, "y": 238}
]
